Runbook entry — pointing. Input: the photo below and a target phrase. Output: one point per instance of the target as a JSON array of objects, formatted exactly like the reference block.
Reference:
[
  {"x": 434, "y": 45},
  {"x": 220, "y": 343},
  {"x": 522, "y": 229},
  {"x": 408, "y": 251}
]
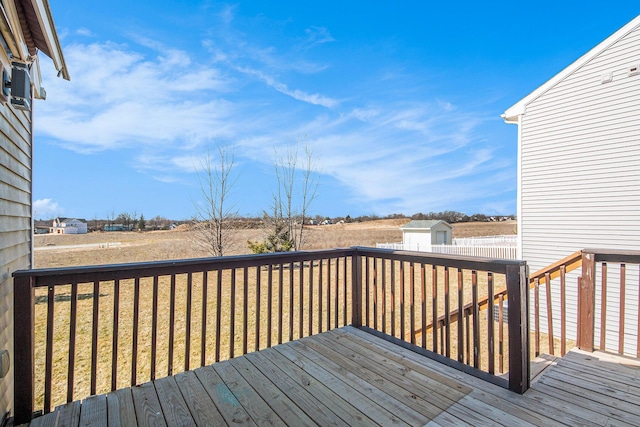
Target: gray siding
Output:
[
  {"x": 580, "y": 171},
  {"x": 15, "y": 222}
]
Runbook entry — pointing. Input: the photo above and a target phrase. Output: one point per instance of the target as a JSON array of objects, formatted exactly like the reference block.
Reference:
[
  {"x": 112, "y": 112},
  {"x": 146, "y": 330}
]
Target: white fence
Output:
[
  {"x": 504, "y": 240},
  {"x": 490, "y": 251},
  {"x": 486, "y": 251}
]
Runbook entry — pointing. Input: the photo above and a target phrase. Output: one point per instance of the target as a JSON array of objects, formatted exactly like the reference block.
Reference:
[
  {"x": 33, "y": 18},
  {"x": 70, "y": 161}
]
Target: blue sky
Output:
[{"x": 400, "y": 102}]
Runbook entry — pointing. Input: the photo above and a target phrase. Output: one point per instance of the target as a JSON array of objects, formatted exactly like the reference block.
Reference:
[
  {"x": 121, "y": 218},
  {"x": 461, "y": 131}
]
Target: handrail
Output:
[
  {"x": 569, "y": 263},
  {"x": 320, "y": 290},
  {"x": 389, "y": 275},
  {"x": 587, "y": 296}
]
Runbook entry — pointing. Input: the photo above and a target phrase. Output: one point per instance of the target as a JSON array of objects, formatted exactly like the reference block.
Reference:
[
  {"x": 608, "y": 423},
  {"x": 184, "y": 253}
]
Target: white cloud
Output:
[
  {"x": 120, "y": 98},
  {"x": 315, "y": 99},
  {"x": 398, "y": 158},
  {"x": 163, "y": 106},
  {"x": 84, "y": 32},
  {"x": 316, "y": 36},
  {"x": 46, "y": 208}
]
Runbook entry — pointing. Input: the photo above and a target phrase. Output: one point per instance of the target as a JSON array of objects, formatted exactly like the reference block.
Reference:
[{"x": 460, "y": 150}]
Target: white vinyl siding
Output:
[
  {"x": 580, "y": 176},
  {"x": 15, "y": 222}
]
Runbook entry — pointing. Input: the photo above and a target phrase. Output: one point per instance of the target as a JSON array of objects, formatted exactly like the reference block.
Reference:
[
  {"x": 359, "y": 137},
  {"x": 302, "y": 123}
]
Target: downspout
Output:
[
  {"x": 518, "y": 122},
  {"x": 519, "y": 190},
  {"x": 31, "y": 236}
]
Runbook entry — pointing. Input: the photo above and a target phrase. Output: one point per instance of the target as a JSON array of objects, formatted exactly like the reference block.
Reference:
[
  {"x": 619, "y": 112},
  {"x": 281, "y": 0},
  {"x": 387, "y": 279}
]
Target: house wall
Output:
[
  {"x": 580, "y": 172},
  {"x": 15, "y": 220}
]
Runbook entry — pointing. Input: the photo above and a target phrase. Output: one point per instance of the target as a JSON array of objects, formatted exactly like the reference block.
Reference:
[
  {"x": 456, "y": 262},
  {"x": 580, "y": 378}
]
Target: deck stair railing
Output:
[
  {"x": 81, "y": 331},
  {"x": 610, "y": 278}
]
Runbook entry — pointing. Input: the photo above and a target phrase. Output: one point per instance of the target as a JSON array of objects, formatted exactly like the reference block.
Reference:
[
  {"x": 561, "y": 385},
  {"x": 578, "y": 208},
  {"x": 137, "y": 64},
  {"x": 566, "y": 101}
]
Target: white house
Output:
[
  {"x": 579, "y": 164},
  {"x": 68, "y": 226},
  {"x": 421, "y": 235}
]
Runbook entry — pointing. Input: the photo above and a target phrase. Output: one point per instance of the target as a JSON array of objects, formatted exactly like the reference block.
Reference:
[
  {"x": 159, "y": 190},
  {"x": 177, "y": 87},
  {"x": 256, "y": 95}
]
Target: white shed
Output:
[
  {"x": 421, "y": 235},
  {"x": 579, "y": 163}
]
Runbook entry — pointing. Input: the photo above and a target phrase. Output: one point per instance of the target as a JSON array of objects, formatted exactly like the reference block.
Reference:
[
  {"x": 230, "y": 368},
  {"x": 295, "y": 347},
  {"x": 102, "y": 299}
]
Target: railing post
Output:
[
  {"x": 356, "y": 289},
  {"x": 586, "y": 302},
  {"x": 23, "y": 344},
  {"x": 518, "y": 315}
]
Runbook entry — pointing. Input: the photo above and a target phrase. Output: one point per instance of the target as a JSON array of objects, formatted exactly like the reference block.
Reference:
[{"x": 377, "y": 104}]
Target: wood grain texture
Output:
[
  {"x": 347, "y": 376},
  {"x": 147, "y": 405},
  {"x": 174, "y": 408},
  {"x": 202, "y": 408},
  {"x": 94, "y": 411},
  {"x": 120, "y": 409},
  {"x": 228, "y": 405}
]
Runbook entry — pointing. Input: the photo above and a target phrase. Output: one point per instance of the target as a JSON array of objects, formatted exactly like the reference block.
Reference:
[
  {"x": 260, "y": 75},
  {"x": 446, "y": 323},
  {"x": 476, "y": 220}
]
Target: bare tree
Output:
[
  {"x": 213, "y": 224},
  {"x": 111, "y": 217},
  {"x": 297, "y": 186}
]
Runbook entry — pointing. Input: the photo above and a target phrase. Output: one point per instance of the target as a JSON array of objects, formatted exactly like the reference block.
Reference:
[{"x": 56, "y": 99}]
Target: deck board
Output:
[
  {"x": 349, "y": 377},
  {"x": 175, "y": 409},
  {"x": 202, "y": 408},
  {"x": 257, "y": 409},
  {"x": 120, "y": 409}
]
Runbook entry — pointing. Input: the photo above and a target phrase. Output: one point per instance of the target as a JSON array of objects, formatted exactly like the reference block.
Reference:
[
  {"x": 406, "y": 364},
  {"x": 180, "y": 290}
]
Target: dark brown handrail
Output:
[
  {"x": 322, "y": 274},
  {"x": 392, "y": 293},
  {"x": 587, "y": 295},
  {"x": 542, "y": 276}
]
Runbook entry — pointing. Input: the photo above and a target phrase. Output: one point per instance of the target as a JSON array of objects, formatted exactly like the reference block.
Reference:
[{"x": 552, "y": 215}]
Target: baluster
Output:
[
  {"x": 536, "y": 304},
  {"x": 187, "y": 339},
  {"x": 623, "y": 292},
  {"x": 447, "y": 320},
  {"x": 203, "y": 331},
  {"x": 603, "y": 308},
  {"x": 154, "y": 328},
  {"x": 476, "y": 319},
  {"x": 94, "y": 336},
  {"x": 490, "y": 323},
  {"x": 72, "y": 340},
  {"x": 460, "y": 324},
  {"x": 172, "y": 317},
  {"x": 114, "y": 353},
  {"x": 547, "y": 279},
  {"x": 134, "y": 332}
]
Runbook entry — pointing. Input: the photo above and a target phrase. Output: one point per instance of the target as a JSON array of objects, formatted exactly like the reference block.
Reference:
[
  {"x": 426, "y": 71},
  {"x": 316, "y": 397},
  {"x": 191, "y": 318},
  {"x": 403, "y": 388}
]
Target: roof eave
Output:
[{"x": 47, "y": 26}]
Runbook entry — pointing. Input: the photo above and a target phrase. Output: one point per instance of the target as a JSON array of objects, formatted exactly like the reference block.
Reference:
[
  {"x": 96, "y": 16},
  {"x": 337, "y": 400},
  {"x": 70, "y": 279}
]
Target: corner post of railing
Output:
[
  {"x": 356, "y": 288},
  {"x": 23, "y": 344},
  {"x": 587, "y": 302},
  {"x": 517, "y": 278}
]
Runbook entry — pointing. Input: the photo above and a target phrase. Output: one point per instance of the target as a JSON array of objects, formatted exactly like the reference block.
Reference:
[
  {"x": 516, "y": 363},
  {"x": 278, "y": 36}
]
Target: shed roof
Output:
[
  {"x": 424, "y": 224},
  {"x": 512, "y": 113}
]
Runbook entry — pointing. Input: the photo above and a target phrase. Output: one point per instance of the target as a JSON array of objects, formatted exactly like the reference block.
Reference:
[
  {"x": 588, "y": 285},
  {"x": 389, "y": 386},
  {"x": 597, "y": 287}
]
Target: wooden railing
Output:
[
  {"x": 602, "y": 298},
  {"x": 546, "y": 276},
  {"x": 406, "y": 293},
  {"x": 608, "y": 290},
  {"x": 86, "y": 330}
]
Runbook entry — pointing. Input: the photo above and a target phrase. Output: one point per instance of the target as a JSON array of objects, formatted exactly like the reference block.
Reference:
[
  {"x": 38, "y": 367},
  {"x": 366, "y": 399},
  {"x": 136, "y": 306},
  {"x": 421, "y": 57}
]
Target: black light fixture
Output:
[{"x": 19, "y": 86}]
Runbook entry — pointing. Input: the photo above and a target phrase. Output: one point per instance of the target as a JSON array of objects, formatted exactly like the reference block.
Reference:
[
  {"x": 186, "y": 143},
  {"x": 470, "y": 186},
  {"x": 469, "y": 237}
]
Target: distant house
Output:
[
  {"x": 41, "y": 230},
  {"x": 68, "y": 226},
  {"x": 117, "y": 227},
  {"x": 579, "y": 164},
  {"x": 421, "y": 235}
]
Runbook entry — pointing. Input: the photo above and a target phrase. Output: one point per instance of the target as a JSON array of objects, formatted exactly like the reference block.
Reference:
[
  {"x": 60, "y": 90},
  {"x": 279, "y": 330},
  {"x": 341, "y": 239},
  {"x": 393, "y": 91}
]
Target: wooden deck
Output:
[{"x": 349, "y": 377}]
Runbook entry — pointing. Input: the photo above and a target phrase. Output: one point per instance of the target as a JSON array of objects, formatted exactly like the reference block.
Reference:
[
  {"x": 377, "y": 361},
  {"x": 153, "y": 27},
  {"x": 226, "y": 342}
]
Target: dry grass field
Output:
[
  {"x": 107, "y": 248},
  {"x": 119, "y": 247}
]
